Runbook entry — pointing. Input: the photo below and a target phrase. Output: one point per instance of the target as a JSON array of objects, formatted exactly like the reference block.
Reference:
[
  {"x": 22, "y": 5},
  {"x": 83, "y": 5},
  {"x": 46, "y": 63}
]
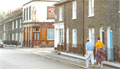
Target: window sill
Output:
[
  {"x": 90, "y": 16},
  {"x": 74, "y": 18}
]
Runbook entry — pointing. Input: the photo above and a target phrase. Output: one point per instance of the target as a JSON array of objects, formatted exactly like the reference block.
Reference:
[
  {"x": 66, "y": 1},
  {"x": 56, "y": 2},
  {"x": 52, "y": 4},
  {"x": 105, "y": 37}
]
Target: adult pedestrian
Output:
[
  {"x": 99, "y": 52},
  {"x": 89, "y": 53}
]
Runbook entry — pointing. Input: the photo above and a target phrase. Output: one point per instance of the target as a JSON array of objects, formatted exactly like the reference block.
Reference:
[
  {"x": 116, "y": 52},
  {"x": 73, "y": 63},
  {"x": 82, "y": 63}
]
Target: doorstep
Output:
[{"x": 83, "y": 58}]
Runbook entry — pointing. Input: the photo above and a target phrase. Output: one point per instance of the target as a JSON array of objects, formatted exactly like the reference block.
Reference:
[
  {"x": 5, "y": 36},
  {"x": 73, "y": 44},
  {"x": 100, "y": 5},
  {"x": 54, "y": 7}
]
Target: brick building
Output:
[
  {"x": 38, "y": 19},
  {"x": 82, "y": 19},
  {"x": 11, "y": 27}
]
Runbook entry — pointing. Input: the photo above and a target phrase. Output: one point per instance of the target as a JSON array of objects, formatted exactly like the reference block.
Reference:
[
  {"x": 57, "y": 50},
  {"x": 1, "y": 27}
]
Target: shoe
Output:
[
  {"x": 101, "y": 66},
  {"x": 98, "y": 65}
]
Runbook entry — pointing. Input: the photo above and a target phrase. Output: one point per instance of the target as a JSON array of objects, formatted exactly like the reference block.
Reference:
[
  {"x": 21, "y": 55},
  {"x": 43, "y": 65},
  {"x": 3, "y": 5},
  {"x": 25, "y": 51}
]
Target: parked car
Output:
[{"x": 1, "y": 44}]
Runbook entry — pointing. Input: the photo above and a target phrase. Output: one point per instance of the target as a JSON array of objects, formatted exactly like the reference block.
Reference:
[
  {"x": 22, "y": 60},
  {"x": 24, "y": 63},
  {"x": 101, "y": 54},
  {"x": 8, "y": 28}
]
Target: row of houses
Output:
[
  {"x": 32, "y": 25},
  {"x": 65, "y": 24},
  {"x": 77, "y": 20}
]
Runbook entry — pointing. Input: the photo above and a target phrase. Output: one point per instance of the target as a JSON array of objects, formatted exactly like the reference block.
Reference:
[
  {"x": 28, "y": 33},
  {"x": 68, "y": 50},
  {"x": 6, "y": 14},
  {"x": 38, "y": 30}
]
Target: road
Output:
[{"x": 15, "y": 58}]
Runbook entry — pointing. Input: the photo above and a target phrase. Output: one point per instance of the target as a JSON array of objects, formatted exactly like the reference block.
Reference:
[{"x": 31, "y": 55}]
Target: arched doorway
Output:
[{"x": 110, "y": 43}]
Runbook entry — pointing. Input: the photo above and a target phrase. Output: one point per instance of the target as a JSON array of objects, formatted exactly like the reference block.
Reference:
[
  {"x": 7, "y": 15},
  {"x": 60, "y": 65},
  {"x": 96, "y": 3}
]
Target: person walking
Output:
[
  {"x": 99, "y": 52},
  {"x": 89, "y": 52}
]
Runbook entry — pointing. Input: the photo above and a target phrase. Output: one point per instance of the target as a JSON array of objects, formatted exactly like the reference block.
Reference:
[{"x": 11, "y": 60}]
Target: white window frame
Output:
[
  {"x": 92, "y": 35},
  {"x": 60, "y": 14},
  {"x": 74, "y": 9},
  {"x": 13, "y": 36},
  {"x": 74, "y": 38},
  {"x": 67, "y": 36},
  {"x": 50, "y": 34},
  {"x": 91, "y": 8}
]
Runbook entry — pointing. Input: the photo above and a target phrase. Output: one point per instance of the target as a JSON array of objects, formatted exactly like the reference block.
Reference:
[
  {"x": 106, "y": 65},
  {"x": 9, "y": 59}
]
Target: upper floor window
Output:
[
  {"x": 16, "y": 24},
  {"x": 13, "y": 25},
  {"x": 74, "y": 9},
  {"x": 60, "y": 13},
  {"x": 91, "y": 7},
  {"x": 119, "y": 6},
  {"x": 30, "y": 13},
  {"x": 20, "y": 23}
]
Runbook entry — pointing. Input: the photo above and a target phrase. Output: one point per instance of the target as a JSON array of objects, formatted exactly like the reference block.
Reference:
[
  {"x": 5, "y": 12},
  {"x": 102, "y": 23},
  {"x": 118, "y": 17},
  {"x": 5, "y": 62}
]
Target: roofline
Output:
[
  {"x": 39, "y": 1},
  {"x": 62, "y": 2}
]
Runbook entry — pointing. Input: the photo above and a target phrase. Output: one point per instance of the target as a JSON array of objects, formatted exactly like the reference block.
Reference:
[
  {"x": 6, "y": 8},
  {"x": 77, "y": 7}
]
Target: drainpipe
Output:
[
  {"x": 83, "y": 29},
  {"x": 65, "y": 27}
]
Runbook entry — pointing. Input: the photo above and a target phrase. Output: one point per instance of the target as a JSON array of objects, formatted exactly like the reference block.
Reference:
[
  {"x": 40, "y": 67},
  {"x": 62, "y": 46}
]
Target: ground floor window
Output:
[
  {"x": 37, "y": 33},
  {"x": 74, "y": 38},
  {"x": 50, "y": 34},
  {"x": 91, "y": 35}
]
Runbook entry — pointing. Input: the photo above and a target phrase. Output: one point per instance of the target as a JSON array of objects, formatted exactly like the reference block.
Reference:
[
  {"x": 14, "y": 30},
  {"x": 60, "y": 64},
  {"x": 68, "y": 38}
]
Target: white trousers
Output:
[{"x": 91, "y": 57}]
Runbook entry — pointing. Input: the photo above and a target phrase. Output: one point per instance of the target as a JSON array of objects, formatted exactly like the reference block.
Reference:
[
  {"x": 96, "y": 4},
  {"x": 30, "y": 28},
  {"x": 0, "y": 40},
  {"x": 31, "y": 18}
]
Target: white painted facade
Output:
[{"x": 40, "y": 9}]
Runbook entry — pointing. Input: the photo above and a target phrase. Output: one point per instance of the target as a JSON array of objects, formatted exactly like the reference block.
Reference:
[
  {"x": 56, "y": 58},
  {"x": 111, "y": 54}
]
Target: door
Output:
[{"x": 111, "y": 45}]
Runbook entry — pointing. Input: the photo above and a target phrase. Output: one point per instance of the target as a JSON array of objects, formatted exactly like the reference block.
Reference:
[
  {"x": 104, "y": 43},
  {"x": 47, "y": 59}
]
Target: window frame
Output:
[
  {"x": 74, "y": 38},
  {"x": 74, "y": 9},
  {"x": 50, "y": 34},
  {"x": 91, "y": 8},
  {"x": 60, "y": 14}
]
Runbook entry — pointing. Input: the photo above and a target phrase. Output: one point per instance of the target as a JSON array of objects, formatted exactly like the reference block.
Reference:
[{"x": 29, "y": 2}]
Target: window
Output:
[
  {"x": 60, "y": 14},
  {"x": 30, "y": 13},
  {"x": 91, "y": 35},
  {"x": 91, "y": 7},
  {"x": 16, "y": 24},
  {"x": 74, "y": 10},
  {"x": 12, "y": 25},
  {"x": 24, "y": 14},
  {"x": 74, "y": 37},
  {"x": 50, "y": 34},
  {"x": 13, "y": 36},
  {"x": 20, "y": 23},
  {"x": 36, "y": 33},
  {"x": 20, "y": 37},
  {"x": 27, "y": 14},
  {"x": 67, "y": 35},
  {"x": 38, "y": 36},
  {"x": 16, "y": 36}
]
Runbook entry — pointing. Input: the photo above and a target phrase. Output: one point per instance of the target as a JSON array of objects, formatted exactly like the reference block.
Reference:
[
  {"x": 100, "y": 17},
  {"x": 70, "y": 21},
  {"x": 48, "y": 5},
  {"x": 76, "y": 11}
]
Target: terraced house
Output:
[
  {"x": 77, "y": 20},
  {"x": 11, "y": 27},
  {"x": 38, "y": 19}
]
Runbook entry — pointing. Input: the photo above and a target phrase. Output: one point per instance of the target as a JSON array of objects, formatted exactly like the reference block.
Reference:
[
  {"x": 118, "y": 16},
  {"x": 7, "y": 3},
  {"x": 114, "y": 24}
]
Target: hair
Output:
[
  {"x": 98, "y": 38},
  {"x": 87, "y": 40}
]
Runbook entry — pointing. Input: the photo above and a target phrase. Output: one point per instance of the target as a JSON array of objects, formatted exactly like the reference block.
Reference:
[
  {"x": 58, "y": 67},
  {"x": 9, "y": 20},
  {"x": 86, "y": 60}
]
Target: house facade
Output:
[
  {"x": 38, "y": 19},
  {"x": 89, "y": 19},
  {"x": 11, "y": 27}
]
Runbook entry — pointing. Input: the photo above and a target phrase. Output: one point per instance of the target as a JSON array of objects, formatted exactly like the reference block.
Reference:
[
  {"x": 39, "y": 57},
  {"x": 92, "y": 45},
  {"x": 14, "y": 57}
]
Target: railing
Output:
[{"x": 80, "y": 49}]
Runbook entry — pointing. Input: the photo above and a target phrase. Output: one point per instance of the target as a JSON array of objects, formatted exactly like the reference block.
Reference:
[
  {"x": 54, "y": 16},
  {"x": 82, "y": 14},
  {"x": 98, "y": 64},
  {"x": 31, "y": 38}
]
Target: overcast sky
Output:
[{"x": 6, "y": 5}]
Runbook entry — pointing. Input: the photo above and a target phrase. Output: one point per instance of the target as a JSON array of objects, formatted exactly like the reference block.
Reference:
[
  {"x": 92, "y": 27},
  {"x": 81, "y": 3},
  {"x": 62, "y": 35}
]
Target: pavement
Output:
[{"x": 49, "y": 53}]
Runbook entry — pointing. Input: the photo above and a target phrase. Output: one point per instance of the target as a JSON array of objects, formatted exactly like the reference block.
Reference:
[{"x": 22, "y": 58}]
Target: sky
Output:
[{"x": 6, "y": 5}]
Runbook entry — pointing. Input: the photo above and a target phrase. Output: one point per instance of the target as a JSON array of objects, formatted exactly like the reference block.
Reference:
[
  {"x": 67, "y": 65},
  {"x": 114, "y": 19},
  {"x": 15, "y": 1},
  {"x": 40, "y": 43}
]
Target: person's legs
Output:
[
  {"x": 87, "y": 63},
  {"x": 87, "y": 60},
  {"x": 92, "y": 57}
]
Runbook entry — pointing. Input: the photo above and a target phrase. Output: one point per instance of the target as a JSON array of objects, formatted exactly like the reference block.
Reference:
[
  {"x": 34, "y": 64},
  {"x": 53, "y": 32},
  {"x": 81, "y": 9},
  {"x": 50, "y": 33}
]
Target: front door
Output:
[{"x": 111, "y": 45}]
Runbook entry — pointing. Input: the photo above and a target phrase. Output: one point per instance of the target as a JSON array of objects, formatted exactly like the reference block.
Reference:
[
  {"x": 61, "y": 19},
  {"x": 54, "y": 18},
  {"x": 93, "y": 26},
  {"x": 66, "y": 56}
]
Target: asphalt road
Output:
[{"x": 15, "y": 58}]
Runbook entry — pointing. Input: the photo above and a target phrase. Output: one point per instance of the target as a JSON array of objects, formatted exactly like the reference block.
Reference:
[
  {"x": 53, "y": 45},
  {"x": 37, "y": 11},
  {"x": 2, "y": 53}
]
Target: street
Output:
[{"x": 16, "y": 58}]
